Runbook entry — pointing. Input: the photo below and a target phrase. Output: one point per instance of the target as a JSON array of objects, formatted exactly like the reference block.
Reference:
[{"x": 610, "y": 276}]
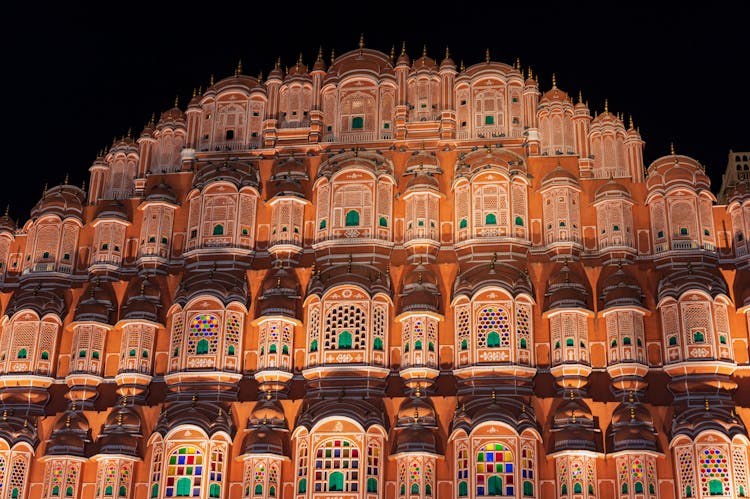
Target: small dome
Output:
[
  {"x": 143, "y": 301},
  {"x": 7, "y": 224},
  {"x": 416, "y": 439},
  {"x": 112, "y": 210},
  {"x": 161, "y": 192},
  {"x": 555, "y": 95},
  {"x": 447, "y": 62},
  {"x": 368, "y": 277},
  {"x": 512, "y": 277},
  {"x": 612, "y": 189},
  {"x": 676, "y": 170},
  {"x": 403, "y": 57},
  {"x": 319, "y": 64},
  {"x": 288, "y": 178},
  {"x": 65, "y": 201},
  {"x": 280, "y": 293},
  {"x": 567, "y": 289},
  {"x": 695, "y": 277},
  {"x": 559, "y": 175},
  {"x": 416, "y": 408},
  {"x": 621, "y": 289},
  {"x": 264, "y": 440},
  {"x": 741, "y": 192},
  {"x": 419, "y": 290},
  {"x": 424, "y": 62},
  {"x": 149, "y": 129},
  {"x": 239, "y": 173},
  {"x": 422, "y": 181},
  {"x": 98, "y": 303},
  {"x": 41, "y": 297},
  {"x": 171, "y": 117},
  {"x": 227, "y": 283},
  {"x": 268, "y": 410}
]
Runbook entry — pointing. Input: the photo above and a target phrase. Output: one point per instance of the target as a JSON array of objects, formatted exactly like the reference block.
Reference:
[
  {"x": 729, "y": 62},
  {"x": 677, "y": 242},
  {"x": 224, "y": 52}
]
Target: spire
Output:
[
  {"x": 671, "y": 149},
  {"x": 393, "y": 53},
  {"x": 7, "y": 209},
  {"x": 630, "y": 122},
  {"x": 320, "y": 54},
  {"x": 487, "y": 55},
  {"x": 299, "y": 60},
  {"x": 518, "y": 63},
  {"x": 530, "y": 74},
  {"x": 424, "y": 51},
  {"x": 195, "y": 92},
  {"x": 462, "y": 67},
  {"x": 238, "y": 70},
  {"x": 278, "y": 63},
  {"x": 176, "y": 100},
  {"x": 260, "y": 77},
  {"x": 447, "y": 52},
  {"x": 361, "y": 41},
  {"x": 554, "y": 81},
  {"x": 333, "y": 56},
  {"x": 606, "y": 105},
  {"x": 65, "y": 182},
  {"x": 580, "y": 97},
  {"x": 403, "y": 47},
  {"x": 211, "y": 80}
]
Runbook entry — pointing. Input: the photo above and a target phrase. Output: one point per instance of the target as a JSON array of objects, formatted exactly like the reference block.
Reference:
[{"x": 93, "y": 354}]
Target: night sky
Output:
[{"x": 77, "y": 75}]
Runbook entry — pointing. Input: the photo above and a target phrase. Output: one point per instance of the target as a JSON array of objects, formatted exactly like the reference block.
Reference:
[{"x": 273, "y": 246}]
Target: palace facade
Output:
[{"x": 379, "y": 278}]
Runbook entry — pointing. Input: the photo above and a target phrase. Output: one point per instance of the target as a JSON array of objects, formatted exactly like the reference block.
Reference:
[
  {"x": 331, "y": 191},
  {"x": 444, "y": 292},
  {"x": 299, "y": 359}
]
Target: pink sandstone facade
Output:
[{"x": 378, "y": 278}]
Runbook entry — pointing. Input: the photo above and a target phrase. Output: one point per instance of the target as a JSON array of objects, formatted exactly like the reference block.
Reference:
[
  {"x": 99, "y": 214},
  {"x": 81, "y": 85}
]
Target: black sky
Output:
[{"x": 76, "y": 75}]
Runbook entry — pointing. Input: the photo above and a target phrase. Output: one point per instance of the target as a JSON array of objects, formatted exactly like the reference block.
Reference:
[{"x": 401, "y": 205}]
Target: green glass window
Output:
[
  {"x": 302, "y": 486},
  {"x": 314, "y": 346},
  {"x": 672, "y": 341},
  {"x": 352, "y": 218},
  {"x": 202, "y": 347},
  {"x": 383, "y": 222},
  {"x": 699, "y": 337},
  {"x": 372, "y": 485},
  {"x": 378, "y": 344},
  {"x": 418, "y": 345},
  {"x": 336, "y": 482},
  {"x": 489, "y": 120},
  {"x": 22, "y": 353},
  {"x": 345, "y": 340},
  {"x": 323, "y": 224},
  {"x": 528, "y": 488},
  {"x": 462, "y": 224},
  {"x": 463, "y": 489},
  {"x": 183, "y": 487},
  {"x": 358, "y": 123},
  {"x": 490, "y": 219},
  {"x": 493, "y": 339},
  {"x": 519, "y": 221}
]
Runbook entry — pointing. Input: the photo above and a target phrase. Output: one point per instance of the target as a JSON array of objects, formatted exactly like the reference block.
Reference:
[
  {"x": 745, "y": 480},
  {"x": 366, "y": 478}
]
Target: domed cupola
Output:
[
  {"x": 161, "y": 192},
  {"x": 41, "y": 297},
  {"x": 7, "y": 224},
  {"x": 71, "y": 435},
  {"x": 239, "y": 173},
  {"x": 575, "y": 428},
  {"x": 419, "y": 291},
  {"x": 512, "y": 278},
  {"x": 97, "y": 304},
  {"x": 143, "y": 300},
  {"x": 567, "y": 288},
  {"x": 64, "y": 201},
  {"x": 227, "y": 283},
  {"x": 416, "y": 428},
  {"x": 280, "y": 294},
  {"x": 632, "y": 428},
  {"x": 620, "y": 289},
  {"x": 121, "y": 434},
  {"x": 267, "y": 431}
]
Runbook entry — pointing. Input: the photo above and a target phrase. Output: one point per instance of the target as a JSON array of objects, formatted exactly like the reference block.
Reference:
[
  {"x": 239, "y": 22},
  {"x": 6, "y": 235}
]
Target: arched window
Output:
[
  {"x": 345, "y": 340},
  {"x": 378, "y": 344},
  {"x": 519, "y": 221},
  {"x": 218, "y": 230},
  {"x": 463, "y": 489},
  {"x": 214, "y": 490},
  {"x": 493, "y": 339},
  {"x": 314, "y": 346},
  {"x": 495, "y": 471},
  {"x": 202, "y": 347},
  {"x": 383, "y": 222},
  {"x": 184, "y": 472},
  {"x": 22, "y": 353},
  {"x": 490, "y": 219},
  {"x": 358, "y": 123},
  {"x": 415, "y": 488},
  {"x": 337, "y": 464},
  {"x": 699, "y": 337},
  {"x": 372, "y": 485},
  {"x": 352, "y": 218}
]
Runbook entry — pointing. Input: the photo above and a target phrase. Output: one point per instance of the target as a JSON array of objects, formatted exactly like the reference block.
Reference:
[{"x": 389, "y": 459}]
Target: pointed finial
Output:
[
  {"x": 320, "y": 54},
  {"x": 424, "y": 51},
  {"x": 333, "y": 55},
  {"x": 671, "y": 149},
  {"x": 706, "y": 404},
  {"x": 278, "y": 63},
  {"x": 418, "y": 393},
  {"x": 361, "y": 41},
  {"x": 119, "y": 419},
  {"x": 487, "y": 55},
  {"x": 130, "y": 132},
  {"x": 260, "y": 77},
  {"x": 211, "y": 80},
  {"x": 447, "y": 52},
  {"x": 299, "y": 60},
  {"x": 67, "y": 421},
  {"x": 580, "y": 97},
  {"x": 529, "y": 74},
  {"x": 403, "y": 47},
  {"x": 462, "y": 67},
  {"x": 195, "y": 92},
  {"x": 238, "y": 69},
  {"x": 416, "y": 414},
  {"x": 630, "y": 122},
  {"x": 7, "y": 209},
  {"x": 393, "y": 53},
  {"x": 65, "y": 182},
  {"x": 200, "y": 89},
  {"x": 554, "y": 81},
  {"x": 606, "y": 105},
  {"x": 518, "y": 63},
  {"x": 494, "y": 396},
  {"x": 176, "y": 101},
  {"x": 44, "y": 189}
]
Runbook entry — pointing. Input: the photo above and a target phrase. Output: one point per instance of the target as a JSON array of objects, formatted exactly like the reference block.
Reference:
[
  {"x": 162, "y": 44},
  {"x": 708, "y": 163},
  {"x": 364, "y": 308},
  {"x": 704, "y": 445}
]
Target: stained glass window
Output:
[
  {"x": 335, "y": 460},
  {"x": 204, "y": 333},
  {"x": 714, "y": 474},
  {"x": 495, "y": 471},
  {"x": 184, "y": 472}
]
